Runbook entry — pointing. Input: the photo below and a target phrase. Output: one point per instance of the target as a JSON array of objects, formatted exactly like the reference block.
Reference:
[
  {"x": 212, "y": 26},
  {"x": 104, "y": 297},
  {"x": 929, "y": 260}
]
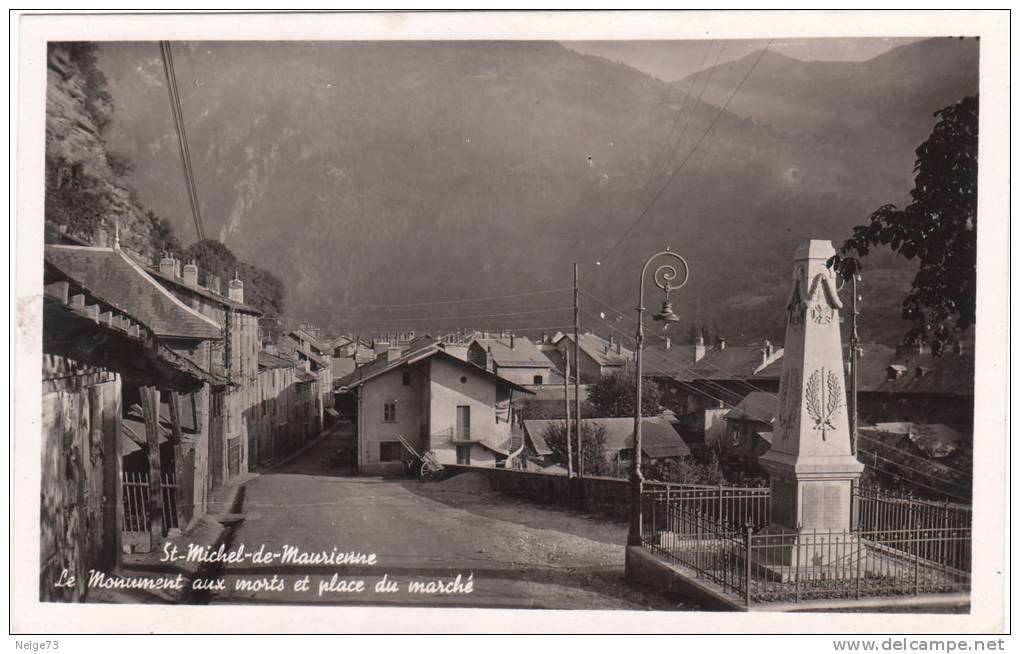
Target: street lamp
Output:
[{"x": 665, "y": 278}]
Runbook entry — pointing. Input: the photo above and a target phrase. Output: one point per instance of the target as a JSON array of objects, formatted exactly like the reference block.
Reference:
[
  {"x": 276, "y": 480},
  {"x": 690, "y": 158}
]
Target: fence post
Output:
[
  {"x": 860, "y": 551},
  {"x": 747, "y": 565},
  {"x": 917, "y": 559}
]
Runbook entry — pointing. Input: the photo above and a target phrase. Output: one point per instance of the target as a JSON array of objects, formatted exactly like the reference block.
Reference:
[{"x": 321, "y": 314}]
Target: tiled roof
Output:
[
  {"x": 204, "y": 292},
  {"x": 732, "y": 362},
  {"x": 421, "y": 351},
  {"x": 658, "y": 437},
  {"x": 523, "y": 354},
  {"x": 673, "y": 362},
  {"x": 342, "y": 366},
  {"x": 757, "y": 406},
  {"x": 267, "y": 360},
  {"x": 600, "y": 350},
  {"x": 126, "y": 285}
]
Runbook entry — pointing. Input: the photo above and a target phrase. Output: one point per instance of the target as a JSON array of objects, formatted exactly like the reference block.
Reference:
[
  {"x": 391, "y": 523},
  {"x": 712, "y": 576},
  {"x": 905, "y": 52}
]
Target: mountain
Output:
[
  {"x": 389, "y": 173},
  {"x": 873, "y": 111}
]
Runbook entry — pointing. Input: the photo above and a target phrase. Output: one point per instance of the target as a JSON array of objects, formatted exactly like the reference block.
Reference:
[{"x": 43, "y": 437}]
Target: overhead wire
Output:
[
  {"x": 444, "y": 302},
  {"x": 662, "y": 157},
  {"x": 177, "y": 112},
  {"x": 458, "y": 317},
  {"x": 733, "y": 376},
  {"x": 690, "y": 154}
]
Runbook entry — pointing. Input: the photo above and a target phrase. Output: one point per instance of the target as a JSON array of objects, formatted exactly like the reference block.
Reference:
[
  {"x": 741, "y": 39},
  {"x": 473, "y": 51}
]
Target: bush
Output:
[{"x": 593, "y": 438}]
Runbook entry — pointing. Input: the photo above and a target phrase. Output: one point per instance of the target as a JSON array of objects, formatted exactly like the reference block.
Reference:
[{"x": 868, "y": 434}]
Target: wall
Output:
[
  {"x": 373, "y": 430},
  {"x": 447, "y": 392},
  {"x": 591, "y": 370},
  {"x": 80, "y": 466},
  {"x": 523, "y": 376},
  {"x": 595, "y": 494}
]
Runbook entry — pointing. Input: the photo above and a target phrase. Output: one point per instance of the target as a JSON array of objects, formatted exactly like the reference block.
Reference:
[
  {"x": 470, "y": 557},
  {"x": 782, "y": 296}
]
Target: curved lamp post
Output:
[{"x": 665, "y": 278}]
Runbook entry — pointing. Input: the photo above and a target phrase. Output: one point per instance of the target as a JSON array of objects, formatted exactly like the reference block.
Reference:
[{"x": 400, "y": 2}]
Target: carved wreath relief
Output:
[{"x": 823, "y": 398}]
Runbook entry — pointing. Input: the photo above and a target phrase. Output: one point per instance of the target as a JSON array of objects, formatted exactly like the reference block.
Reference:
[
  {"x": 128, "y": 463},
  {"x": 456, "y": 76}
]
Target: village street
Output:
[{"x": 520, "y": 555}]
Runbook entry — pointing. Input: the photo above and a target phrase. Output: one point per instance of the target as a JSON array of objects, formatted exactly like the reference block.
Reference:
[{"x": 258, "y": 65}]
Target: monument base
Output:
[{"x": 784, "y": 555}]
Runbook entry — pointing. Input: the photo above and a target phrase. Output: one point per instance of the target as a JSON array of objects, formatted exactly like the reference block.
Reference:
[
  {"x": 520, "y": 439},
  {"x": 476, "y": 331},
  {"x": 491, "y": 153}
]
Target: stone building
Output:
[
  {"x": 514, "y": 358},
  {"x": 436, "y": 401},
  {"x": 96, "y": 357}
]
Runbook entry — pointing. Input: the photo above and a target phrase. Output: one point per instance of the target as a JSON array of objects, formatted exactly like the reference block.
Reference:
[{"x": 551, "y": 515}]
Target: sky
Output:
[{"x": 673, "y": 60}]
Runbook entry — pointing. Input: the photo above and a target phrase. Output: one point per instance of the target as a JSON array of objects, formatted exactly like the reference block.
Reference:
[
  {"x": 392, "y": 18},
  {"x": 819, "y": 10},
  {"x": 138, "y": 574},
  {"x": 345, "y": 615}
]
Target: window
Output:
[
  {"x": 537, "y": 380},
  {"x": 390, "y": 451},
  {"x": 406, "y": 378},
  {"x": 464, "y": 455},
  {"x": 390, "y": 412}
]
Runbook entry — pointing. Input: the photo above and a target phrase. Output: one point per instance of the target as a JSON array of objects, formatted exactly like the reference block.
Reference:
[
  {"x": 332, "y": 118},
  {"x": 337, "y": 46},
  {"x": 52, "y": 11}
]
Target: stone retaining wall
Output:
[{"x": 596, "y": 494}]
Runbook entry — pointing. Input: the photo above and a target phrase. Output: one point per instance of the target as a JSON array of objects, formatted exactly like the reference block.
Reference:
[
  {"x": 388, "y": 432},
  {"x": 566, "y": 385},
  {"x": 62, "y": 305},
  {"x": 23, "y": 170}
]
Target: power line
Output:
[
  {"x": 454, "y": 318},
  {"x": 689, "y": 155},
  {"x": 182, "y": 136},
  {"x": 440, "y": 302},
  {"x": 663, "y": 156},
  {"x": 739, "y": 379}
]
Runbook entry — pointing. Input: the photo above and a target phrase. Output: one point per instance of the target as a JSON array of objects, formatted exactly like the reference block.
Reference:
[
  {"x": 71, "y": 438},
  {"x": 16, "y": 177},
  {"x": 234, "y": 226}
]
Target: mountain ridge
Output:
[{"x": 377, "y": 174}]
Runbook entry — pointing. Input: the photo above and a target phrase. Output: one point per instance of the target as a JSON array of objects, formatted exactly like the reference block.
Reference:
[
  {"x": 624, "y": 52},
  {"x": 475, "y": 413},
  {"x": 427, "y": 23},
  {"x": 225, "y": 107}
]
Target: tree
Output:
[
  {"x": 685, "y": 470},
  {"x": 938, "y": 227},
  {"x": 613, "y": 395},
  {"x": 262, "y": 289},
  {"x": 593, "y": 439}
]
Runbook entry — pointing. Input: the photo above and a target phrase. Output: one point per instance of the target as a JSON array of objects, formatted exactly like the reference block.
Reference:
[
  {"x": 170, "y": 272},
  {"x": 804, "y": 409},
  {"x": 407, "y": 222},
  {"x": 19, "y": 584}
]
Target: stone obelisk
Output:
[{"x": 811, "y": 465}]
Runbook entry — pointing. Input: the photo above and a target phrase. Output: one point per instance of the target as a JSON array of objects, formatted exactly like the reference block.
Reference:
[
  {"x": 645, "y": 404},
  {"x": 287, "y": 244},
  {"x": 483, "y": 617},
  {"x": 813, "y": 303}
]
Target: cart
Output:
[{"x": 424, "y": 464}]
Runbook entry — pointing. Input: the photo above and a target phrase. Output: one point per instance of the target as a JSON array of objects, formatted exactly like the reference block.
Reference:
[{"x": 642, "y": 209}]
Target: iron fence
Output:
[
  {"x": 928, "y": 552},
  {"x": 730, "y": 506},
  {"x": 136, "y": 502}
]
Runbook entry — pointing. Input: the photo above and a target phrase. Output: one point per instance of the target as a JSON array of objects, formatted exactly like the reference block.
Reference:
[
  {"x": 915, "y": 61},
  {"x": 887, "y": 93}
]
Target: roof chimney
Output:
[
  {"x": 191, "y": 274},
  {"x": 699, "y": 349},
  {"x": 212, "y": 282},
  {"x": 669, "y": 342},
  {"x": 380, "y": 345},
  {"x": 766, "y": 351},
  {"x": 619, "y": 347},
  {"x": 167, "y": 265},
  {"x": 722, "y": 343},
  {"x": 235, "y": 289},
  {"x": 101, "y": 238},
  {"x": 392, "y": 353},
  {"x": 513, "y": 343},
  {"x": 488, "y": 358}
]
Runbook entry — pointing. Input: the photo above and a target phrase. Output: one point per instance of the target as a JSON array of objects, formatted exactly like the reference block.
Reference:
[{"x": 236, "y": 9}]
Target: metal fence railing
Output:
[
  {"x": 928, "y": 552},
  {"x": 733, "y": 507},
  {"x": 136, "y": 502}
]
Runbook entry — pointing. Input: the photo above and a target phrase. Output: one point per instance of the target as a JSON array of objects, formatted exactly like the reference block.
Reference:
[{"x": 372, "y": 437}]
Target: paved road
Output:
[{"x": 515, "y": 554}]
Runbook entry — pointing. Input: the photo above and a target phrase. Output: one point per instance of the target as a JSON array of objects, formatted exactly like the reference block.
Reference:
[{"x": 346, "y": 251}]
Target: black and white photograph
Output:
[{"x": 424, "y": 311}]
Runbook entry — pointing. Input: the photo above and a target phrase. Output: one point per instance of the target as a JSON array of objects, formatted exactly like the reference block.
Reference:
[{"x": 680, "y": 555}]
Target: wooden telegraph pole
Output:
[
  {"x": 577, "y": 378},
  {"x": 566, "y": 408}
]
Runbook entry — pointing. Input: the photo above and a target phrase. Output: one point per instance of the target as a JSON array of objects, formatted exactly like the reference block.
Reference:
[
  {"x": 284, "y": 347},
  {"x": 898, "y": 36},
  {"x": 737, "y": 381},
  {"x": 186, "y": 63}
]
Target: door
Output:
[{"x": 463, "y": 423}]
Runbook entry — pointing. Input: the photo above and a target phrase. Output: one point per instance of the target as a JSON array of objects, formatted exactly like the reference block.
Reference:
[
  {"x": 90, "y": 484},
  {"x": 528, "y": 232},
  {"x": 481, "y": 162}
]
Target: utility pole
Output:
[
  {"x": 566, "y": 407},
  {"x": 577, "y": 377}
]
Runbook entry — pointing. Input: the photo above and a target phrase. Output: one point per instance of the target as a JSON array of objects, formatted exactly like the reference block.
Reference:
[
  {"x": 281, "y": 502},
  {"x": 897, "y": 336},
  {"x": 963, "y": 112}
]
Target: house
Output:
[
  {"x": 95, "y": 355},
  {"x": 598, "y": 356},
  {"x": 513, "y": 357},
  {"x": 749, "y": 429},
  {"x": 659, "y": 441},
  {"x": 241, "y": 342},
  {"x": 437, "y": 402},
  {"x": 210, "y": 346},
  {"x": 316, "y": 359},
  {"x": 281, "y": 419}
]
